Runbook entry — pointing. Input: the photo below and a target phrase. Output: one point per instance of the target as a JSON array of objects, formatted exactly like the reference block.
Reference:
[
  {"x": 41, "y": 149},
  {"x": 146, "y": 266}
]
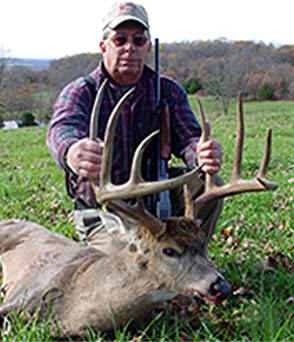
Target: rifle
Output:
[{"x": 163, "y": 203}]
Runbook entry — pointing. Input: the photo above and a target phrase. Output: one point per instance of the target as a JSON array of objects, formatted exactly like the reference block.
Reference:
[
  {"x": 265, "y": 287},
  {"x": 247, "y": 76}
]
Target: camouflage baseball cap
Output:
[{"x": 125, "y": 11}]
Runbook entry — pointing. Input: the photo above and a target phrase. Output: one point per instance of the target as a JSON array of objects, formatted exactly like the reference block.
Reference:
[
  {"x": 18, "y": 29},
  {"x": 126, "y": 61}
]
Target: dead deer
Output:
[{"x": 46, "y": 272}]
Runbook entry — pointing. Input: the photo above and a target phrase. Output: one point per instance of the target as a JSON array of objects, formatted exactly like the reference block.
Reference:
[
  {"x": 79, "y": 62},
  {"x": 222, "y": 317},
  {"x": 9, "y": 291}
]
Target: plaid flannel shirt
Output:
[{"x": 138, "y": 118}]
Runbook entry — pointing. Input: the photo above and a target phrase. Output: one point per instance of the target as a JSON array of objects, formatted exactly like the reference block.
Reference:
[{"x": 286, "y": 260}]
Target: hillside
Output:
[{"x": 33, "y": 63}]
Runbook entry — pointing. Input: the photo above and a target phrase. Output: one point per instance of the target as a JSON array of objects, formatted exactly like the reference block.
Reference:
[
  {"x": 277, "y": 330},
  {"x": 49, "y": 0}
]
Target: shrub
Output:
[
  {"x": 266, "y": 92},
  {"x": 28, "y": 119},
  {"x": 192, "y": 85}
]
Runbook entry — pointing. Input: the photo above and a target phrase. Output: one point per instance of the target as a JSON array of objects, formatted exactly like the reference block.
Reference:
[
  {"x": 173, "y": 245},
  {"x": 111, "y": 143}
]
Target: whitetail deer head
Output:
[{"x": 161, "y": 259}]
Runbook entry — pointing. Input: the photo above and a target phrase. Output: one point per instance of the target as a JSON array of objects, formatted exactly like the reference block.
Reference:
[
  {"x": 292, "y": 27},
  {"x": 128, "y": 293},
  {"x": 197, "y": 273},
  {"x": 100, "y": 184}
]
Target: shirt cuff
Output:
[
  {"x": 63, "y": 149},
  {"x": 189, "y": 154}
]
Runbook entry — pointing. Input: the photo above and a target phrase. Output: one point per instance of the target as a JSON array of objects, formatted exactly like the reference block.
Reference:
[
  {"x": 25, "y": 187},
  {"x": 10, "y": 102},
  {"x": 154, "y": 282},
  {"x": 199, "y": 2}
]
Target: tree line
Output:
[{"x": 220, "y": 68}]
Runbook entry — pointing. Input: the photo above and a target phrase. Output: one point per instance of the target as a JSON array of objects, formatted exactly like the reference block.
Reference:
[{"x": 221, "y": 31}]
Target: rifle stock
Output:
[{"x": 165, "y": 136}]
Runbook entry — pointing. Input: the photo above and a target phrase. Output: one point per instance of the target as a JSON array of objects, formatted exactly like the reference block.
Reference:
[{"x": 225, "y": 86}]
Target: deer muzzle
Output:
[{"x": 219, "y": 291}]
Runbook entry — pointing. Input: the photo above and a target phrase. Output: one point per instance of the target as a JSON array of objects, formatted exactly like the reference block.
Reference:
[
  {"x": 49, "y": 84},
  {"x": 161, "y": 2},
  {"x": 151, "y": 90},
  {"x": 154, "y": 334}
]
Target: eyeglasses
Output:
[{"x": 120, "y": 40}]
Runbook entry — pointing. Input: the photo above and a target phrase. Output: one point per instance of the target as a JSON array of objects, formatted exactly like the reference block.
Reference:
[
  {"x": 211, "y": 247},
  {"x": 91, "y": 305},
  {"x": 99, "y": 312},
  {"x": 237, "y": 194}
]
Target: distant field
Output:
[
  {"x": 253, "y": 245},
  {"x": 33, "y": 63}
]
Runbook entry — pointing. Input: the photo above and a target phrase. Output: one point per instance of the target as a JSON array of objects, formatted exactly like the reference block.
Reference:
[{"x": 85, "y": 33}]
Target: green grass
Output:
[
  {"x": 32, "y": 187},
  {"x": 253, "y": 245}
]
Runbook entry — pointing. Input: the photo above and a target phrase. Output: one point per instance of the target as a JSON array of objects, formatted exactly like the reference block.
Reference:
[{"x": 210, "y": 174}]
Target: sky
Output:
[{"x": 59, "y": 28}]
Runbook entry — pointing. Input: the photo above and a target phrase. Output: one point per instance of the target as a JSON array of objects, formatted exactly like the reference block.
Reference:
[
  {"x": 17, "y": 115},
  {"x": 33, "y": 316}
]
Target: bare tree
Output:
[
  {"x": 3, "y": 67},
  {"x": 4, "y": 58},
  {"x": 226, "y": 75},
  {"x": 66, "y": 69}
]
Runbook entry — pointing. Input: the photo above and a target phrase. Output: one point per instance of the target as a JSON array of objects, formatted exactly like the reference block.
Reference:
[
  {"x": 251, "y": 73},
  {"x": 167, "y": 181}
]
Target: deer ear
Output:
[
  {"x": 190, "y": 213},
  {"x": 204, "y": 232},
  {"x": 51, "y": 294}
]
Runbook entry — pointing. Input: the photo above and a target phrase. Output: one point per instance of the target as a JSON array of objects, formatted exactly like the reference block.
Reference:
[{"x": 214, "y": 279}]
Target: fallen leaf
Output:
[{"x": 290, "y": 301}]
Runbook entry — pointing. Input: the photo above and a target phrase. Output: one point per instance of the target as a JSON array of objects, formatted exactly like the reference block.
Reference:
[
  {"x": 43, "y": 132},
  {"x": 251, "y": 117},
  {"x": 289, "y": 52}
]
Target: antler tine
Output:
[
  {"x": 135, "y": 174},
  {"x": 204, "y": 137},
  {"x": 239, "y": 149},
  {"x": 189, "y": 204},
  {"x": 236, "y": 174},
  {"x": 109, "y": 138},
  {"x": 266, "y": 157},
  {"x": 94, "y": 121},
  {"x": 96, "y": 110},
  {"x": 263, "y": 167},
  {"x": 237, "y": 184}
]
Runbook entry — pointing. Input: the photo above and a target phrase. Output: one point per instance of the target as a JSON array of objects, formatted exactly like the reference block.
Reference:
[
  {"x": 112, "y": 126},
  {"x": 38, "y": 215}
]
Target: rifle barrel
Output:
[{"x": 157, "y": 69}]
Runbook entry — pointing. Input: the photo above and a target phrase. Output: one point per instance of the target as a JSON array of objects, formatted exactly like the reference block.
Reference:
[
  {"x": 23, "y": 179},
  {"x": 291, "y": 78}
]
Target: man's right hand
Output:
[{"x": 85, "y": 158}]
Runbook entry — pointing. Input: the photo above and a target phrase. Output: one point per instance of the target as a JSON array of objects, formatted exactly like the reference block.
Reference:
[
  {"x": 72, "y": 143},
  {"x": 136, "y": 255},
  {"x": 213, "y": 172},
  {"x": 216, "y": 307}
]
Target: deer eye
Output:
[{"x": 171, "y": 252}]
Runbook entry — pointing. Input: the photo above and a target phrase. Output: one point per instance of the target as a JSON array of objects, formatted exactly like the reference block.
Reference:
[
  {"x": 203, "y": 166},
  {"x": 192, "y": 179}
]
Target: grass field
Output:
[{"x": 253, "y": 245}]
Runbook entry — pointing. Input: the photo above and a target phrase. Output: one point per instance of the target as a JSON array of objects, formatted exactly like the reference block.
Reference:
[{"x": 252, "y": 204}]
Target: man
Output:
[{"x": 125, "y": 47}]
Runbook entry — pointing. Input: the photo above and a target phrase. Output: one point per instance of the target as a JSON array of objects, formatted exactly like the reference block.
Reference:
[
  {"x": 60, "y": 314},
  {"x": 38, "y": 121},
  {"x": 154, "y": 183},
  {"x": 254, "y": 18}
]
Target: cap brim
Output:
[{"x": 125, "y": 18}]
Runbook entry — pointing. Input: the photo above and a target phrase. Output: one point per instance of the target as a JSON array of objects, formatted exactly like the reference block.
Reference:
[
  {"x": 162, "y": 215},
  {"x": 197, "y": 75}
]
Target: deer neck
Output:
[
  {"x": 124, "y": 285},
  {"x": 137, "y": 270}
]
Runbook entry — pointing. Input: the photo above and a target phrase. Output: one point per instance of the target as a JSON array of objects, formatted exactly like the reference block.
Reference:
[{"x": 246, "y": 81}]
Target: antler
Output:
[
  {"x": 237, "y": 184},
  {"x": 136, "y": 186}
]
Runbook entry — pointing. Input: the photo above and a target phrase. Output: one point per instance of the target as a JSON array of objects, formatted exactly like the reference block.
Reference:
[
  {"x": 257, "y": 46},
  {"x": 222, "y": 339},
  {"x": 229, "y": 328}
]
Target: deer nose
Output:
[{"x": 220, "y": 288}]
